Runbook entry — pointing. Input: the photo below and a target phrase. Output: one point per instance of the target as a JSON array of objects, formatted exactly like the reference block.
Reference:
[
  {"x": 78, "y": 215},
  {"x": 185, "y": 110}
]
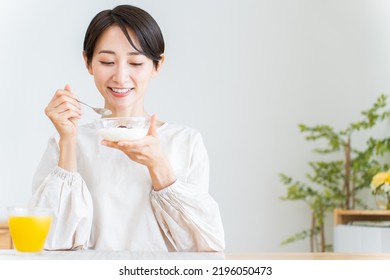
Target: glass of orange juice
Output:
[{"x": 29, "y": 227}]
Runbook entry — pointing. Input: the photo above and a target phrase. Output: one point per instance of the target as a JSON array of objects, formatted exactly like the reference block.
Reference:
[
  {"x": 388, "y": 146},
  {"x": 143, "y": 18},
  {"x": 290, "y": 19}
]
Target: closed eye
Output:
[
  {"x": 106, "y": 62},
  {"x": 136, "y": 64}
]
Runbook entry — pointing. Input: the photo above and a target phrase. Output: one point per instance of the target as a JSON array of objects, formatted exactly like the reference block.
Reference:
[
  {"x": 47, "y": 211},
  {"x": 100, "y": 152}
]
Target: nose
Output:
[{"x": 122, "y": 73}]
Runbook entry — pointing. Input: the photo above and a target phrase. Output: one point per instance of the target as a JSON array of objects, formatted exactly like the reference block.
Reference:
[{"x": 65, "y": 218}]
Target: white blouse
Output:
[{"x": 109, "y": 204}]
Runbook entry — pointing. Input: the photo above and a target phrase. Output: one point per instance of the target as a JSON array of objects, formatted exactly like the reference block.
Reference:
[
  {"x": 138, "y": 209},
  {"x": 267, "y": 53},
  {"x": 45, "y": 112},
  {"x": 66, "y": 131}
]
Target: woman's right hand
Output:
[{"x": 64, "y": 112}]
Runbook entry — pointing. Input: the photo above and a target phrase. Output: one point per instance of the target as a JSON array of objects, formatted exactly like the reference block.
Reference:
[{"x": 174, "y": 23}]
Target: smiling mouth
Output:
[{"x": 121, "y": 92}]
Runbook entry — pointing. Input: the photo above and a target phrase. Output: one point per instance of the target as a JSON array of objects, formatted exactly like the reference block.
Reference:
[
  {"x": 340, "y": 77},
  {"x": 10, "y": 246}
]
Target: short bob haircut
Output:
[{"x": 139, "y": 21}]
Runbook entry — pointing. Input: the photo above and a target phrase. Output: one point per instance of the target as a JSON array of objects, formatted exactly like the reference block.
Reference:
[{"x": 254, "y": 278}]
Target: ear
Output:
[
  {"x": 87, "y": 65},
  {"x": 159, "y": 66}
]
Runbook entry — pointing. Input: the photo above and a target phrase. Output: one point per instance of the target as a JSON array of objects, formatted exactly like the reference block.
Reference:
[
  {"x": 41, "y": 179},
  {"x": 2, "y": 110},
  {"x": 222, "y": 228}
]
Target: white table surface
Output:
[
  {"x": 126, "y": 255},
  {"x": 107, "y": 255}
]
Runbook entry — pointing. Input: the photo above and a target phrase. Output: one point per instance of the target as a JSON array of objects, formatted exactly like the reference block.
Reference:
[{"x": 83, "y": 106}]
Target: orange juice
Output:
[{"x": 29, "y": 232}]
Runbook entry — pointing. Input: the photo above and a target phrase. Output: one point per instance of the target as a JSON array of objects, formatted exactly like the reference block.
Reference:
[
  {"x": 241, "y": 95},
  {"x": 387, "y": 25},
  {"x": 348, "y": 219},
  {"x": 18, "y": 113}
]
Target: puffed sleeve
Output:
[
  {"x": 67, "y": 195},
  {"x": 187, "y": 214}
]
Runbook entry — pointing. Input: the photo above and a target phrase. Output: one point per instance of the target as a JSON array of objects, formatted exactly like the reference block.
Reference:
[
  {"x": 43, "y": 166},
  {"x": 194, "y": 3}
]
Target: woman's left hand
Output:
[{"x": 146, "y": 151}]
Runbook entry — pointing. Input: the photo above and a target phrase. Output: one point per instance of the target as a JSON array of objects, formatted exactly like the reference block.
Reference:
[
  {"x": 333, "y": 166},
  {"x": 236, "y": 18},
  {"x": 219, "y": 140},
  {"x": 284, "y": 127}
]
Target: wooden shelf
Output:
[
  {"x": 342, "y": 216},
  {"x": 5, "y": 236}
]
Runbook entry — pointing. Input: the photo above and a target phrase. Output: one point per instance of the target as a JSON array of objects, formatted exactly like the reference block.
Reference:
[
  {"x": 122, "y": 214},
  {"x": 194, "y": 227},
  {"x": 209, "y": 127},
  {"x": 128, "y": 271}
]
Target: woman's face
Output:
[{"x": 121, "y": 73}]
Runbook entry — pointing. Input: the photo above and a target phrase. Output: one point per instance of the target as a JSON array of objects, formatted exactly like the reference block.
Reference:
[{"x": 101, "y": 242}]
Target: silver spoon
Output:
[{"x": 101, "y": 111}]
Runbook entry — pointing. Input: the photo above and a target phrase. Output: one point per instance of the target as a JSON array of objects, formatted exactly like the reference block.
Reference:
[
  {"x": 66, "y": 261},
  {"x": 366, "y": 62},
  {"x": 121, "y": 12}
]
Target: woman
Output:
[{"x": 145, "y": 195}]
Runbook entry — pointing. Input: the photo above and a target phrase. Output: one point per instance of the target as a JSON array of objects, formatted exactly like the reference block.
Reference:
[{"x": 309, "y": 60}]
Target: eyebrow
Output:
[{"x": 112, "y": 52}]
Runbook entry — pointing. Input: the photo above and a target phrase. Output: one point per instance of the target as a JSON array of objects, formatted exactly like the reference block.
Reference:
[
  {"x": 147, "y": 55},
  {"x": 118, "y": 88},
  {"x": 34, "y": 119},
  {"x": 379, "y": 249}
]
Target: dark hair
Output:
[{"x": 139, "y": 21}]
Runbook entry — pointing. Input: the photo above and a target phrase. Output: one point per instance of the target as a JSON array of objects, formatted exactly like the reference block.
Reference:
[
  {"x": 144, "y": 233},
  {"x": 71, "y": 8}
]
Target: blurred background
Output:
[{"x": 244, "y": 73}]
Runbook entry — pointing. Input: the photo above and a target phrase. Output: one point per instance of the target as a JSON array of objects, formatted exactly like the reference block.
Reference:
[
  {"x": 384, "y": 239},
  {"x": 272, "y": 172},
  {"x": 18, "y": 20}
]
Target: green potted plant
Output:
[{"x": 336, "y": 183}]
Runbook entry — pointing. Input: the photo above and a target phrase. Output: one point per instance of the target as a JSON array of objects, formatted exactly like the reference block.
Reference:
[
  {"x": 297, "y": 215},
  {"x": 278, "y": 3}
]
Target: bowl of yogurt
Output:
[{"x": 122, "y": 128}]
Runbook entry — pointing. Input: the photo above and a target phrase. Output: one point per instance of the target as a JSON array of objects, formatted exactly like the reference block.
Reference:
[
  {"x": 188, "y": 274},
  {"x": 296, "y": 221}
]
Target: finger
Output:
[
  {"x": 62, "y": 96},
  {"x": 74, "y": 120},
  {"x": 133, "y": 144},
  {"x": 113, "y": 145},
  {"x": 61, "y": 117},
  {"x": 70, "y": 114},
  {"x": 65, "y": 98},
  {"x": 68, "y": 88},
  {"x": 56, "y": 114},
  {"x": 109, "y": 144},
  {"x": 152, "y": 127},
  {"x": 63, "y": 107}
]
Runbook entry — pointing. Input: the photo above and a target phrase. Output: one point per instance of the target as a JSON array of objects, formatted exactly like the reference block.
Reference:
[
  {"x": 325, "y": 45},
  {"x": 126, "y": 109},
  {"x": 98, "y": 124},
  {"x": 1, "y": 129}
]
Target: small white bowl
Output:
[{"x": 122, "y": 128}]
